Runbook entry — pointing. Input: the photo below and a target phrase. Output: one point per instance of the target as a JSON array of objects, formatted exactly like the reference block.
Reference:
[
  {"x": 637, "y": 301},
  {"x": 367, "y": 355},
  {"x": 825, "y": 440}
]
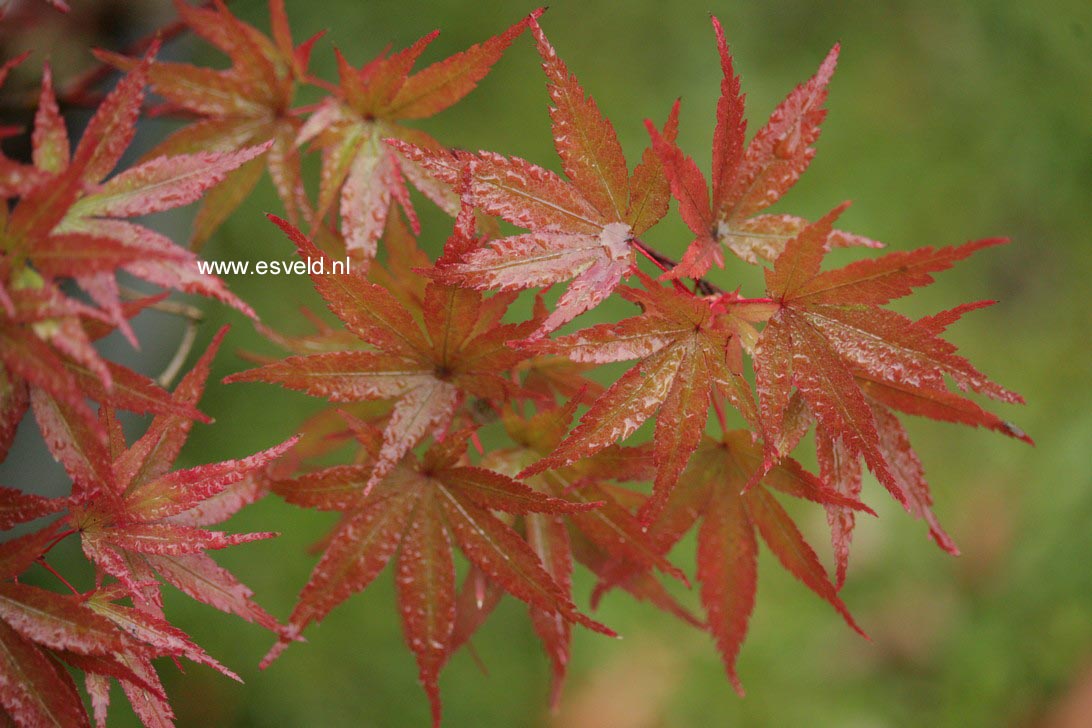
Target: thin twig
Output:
[
  {"x": 666, "y": 263},
  {"x": 79, "y": 90},
  {"x": 193, "y": 316},
  {"x": 189, "y": 336}
]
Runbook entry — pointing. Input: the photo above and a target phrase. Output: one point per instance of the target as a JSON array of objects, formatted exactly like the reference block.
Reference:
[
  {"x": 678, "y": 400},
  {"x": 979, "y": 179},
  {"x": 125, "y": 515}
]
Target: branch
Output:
[
  {"x": 189, "y": 336},
  {"x": 80, "y": 90},
  {"x": 194, "y": 316},
  {"x": 665, "y": 263}
]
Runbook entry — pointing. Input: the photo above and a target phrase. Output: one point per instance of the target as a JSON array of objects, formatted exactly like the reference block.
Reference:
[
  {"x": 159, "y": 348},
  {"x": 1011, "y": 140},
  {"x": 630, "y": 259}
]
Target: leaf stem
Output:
[
  {"x": 477, "y": 658},
  {"x": 56, "y": 540},
  {"x": 718, "y": 407},
  {"x": 665, "y": 263},
  {"x": 45, "y": 564},
  {"x": 659, "y": 261}
]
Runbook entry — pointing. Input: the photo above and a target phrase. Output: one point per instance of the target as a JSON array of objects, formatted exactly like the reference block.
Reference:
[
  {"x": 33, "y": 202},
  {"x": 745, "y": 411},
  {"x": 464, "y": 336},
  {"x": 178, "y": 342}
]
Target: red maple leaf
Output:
[
  {"x": 580, "y": 228},
  {"x": 368, "y": 106},
  {"x": 459, "y": 352},
  {"x": 245, "y": 106},
  {"x": 595, "y": 537},
  {"x": 710, "y": 491},
  {"x": 70, "y": 223},
  {"x": 746, "y": 180},
  {"x": 48, "y": 359},
  {"x": 832, "y": 340},
  {"x": 93, "y": 633},
  {"x": 418, "y": 509},
  {"x": 37, "y": 627},
  {"x": 138, "y": 519},
  {"x": 687, "y": 356}
]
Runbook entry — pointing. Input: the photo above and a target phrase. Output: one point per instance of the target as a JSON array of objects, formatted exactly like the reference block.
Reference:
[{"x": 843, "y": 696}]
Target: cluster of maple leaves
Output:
[{"x": 429, "y": 354}]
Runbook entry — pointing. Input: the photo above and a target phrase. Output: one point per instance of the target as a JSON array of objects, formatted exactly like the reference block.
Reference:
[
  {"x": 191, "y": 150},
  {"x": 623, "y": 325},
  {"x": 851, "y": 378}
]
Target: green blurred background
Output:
[{"x": 948, "y": 121}]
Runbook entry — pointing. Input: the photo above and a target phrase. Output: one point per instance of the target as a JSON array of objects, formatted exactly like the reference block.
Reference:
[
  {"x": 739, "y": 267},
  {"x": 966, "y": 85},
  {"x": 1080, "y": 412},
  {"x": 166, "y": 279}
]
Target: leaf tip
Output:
[
  {"x": 737, "y": 684},
  {"x": 1012, "y": 430}
]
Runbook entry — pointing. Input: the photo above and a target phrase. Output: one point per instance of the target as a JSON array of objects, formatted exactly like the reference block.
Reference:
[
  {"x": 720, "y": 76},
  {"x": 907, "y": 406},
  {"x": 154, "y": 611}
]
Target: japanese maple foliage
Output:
[
  {"x": 429, "y": 359},
  {"x": 418, "y": 510},
  {"x": 371, "y": 104},
  {"x": 139, "y": 522},
  {"x": 747, "y": 178},
  {"x": 713, "y": 490},
  {"x": 581, "y": 229},
  {"x": 70, "y": 224},
  {"x": 248, "y": 104}
]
